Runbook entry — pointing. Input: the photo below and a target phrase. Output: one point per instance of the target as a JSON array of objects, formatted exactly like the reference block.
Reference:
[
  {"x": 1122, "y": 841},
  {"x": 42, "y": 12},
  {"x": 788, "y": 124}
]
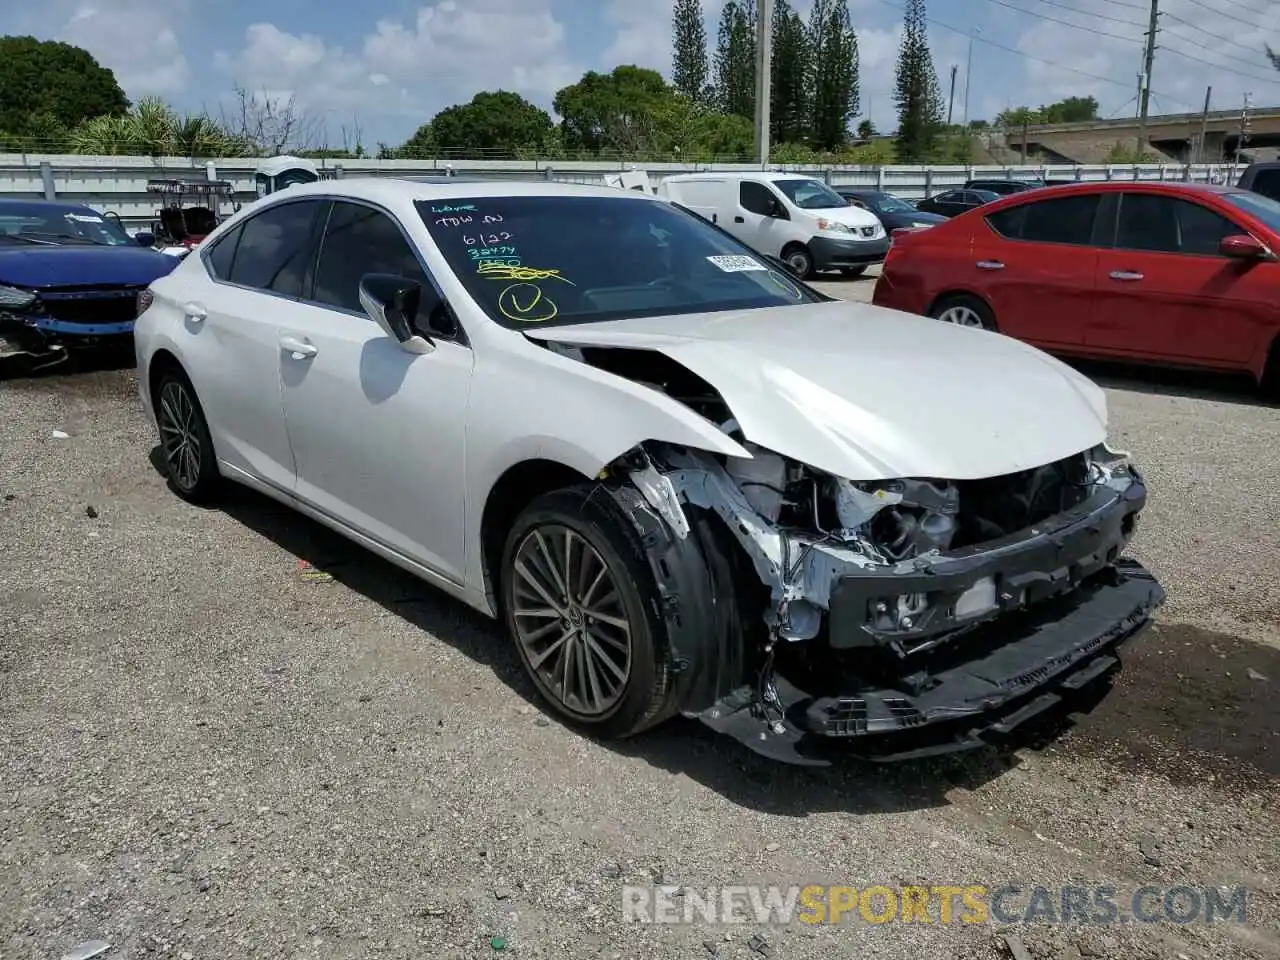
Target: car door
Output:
[
  {"x": 229, "y": 333},
  {"x": 1165, "y": 291},
  {"x": 755, "y": 222},
  {"x": 1036, "y": 263},
  {"x": 378, "y": 434}
]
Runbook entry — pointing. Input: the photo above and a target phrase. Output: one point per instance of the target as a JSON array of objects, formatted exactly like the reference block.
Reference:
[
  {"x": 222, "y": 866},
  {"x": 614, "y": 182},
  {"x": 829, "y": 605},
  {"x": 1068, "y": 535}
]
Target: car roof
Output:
[
  {"x": 741, "y": 175},
  {"x": 387, "y": 190},
  {"x": 14, "y": 203}
]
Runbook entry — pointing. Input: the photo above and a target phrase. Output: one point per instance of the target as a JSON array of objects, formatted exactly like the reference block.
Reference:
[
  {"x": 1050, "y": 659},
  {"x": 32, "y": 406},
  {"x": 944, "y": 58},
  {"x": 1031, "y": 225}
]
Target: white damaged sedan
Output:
[{"x": 684, "y": 481}]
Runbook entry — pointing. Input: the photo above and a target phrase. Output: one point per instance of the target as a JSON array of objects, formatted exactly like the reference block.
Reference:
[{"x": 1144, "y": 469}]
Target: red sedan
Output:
[{"x": 1171, "y": 273}]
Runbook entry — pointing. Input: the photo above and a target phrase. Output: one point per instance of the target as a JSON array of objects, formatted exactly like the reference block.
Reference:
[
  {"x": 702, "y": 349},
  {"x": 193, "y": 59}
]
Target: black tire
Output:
[
  {"x": 962, "y": 303},
  {"x": 641, "y": 700},
  {"x": 1270, "y": 384},
  {"x": 192, "y": 470},
  {"x": 799, "y": 260},
  {"x": 852, "y": 272}
]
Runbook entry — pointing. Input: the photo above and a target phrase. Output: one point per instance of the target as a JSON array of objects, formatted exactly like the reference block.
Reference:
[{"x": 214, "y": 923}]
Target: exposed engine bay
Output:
[{"x": 886, "y": 598}]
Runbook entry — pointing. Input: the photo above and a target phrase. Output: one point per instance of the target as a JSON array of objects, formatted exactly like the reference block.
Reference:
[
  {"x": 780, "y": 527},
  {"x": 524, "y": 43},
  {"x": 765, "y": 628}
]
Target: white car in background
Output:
[{"x": 684, "y": 481}]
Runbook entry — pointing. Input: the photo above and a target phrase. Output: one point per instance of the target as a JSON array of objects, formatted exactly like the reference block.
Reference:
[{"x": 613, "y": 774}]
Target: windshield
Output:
[
  {"x": 809, "y": 194},
  {"x": 562, "y": 260},
  {"x": 887, "y": 203},
  {"x": 52, "y": 223},
  {"x": 1255, "y": 204}
]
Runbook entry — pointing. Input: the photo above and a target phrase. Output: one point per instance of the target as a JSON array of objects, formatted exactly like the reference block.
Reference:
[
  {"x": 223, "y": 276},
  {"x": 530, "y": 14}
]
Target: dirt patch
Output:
[{"x": 1192, "y": 705}]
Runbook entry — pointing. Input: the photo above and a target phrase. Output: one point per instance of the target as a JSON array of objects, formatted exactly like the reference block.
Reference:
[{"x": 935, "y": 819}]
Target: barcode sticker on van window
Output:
[{"x": 737, "y": 264}]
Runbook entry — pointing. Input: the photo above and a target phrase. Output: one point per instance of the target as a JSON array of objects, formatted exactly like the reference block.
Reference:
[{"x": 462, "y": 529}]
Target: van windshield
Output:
[
  {"x": 810, "y": 194},
  {"x": 551, "y": 260}
]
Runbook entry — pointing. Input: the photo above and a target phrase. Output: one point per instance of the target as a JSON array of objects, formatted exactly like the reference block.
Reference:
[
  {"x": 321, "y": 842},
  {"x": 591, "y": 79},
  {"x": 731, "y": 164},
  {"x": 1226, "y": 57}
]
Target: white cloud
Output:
[
  {"x": 136, "y": 39},
  {"x": 643, "y": 34}
]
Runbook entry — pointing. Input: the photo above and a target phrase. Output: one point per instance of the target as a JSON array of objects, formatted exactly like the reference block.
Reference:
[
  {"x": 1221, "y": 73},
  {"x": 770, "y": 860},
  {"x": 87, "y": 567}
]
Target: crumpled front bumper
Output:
[
  {"x": 997, "y": 634},
  {"x": 981, "y": 687}
]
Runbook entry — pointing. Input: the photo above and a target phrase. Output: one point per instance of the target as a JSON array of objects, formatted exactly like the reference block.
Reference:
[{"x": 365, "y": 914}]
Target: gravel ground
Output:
[{"x": 209, "y": 753}]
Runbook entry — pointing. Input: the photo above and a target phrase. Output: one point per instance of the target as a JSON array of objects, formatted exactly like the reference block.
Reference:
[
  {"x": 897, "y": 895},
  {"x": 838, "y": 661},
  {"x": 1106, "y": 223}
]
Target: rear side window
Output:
[
  {"x": 274, "y": 248},
  {"x": 1061, "y": 220},
  {"x": 223, "y": 254},
  {"x": 1168, "y": 225}
]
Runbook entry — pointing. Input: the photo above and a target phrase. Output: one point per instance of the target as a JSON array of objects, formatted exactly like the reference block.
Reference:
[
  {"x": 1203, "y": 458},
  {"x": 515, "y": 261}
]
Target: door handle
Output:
[
  {"x": 195, "y": 311},
  {"x": 989, "y": 265},
  {"x": 739, "y": 220},
  {"x": 1125, "y": 275},
  {"x": 299, "y": 349}
]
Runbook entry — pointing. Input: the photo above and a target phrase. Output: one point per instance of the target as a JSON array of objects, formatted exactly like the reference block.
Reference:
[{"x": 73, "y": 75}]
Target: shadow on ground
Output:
[
  {"x": 1161, "y": 381},
  {"x": 681, "y": 746}
]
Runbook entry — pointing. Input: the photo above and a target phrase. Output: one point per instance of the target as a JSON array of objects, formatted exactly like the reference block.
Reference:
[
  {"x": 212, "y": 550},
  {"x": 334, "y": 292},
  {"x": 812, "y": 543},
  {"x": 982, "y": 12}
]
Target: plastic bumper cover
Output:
[
  {"x": 830, "y": 254},
  {"x": 987, "y": 683}
]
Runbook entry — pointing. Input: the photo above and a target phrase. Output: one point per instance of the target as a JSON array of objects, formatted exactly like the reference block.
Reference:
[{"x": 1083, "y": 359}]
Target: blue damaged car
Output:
[{"x": 69, "y": 276}]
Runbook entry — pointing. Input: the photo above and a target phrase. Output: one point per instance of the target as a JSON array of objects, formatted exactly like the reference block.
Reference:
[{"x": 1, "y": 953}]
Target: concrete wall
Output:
[{"x": 119, "y": 183}]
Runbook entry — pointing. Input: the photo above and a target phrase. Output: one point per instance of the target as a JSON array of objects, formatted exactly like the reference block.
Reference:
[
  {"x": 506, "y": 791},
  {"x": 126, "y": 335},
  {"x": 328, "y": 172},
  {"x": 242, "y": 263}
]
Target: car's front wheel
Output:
[
  {"x": 799, "y": 260},
  {"x": 185, "y": 442},
  {"x": 579, "y": 602}
]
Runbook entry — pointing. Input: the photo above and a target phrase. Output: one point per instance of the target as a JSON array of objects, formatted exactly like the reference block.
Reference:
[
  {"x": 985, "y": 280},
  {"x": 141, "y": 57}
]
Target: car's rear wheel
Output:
[
  {"x": 185, "y": 442},
  {"x": 964, "y": 311},
  {"x": 798, "y": 258},
  {"x": 580, "y": 605}
]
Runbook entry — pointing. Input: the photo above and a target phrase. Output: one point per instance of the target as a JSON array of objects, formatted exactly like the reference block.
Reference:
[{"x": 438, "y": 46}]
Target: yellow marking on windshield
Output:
[{"x": 498, "y": 270}]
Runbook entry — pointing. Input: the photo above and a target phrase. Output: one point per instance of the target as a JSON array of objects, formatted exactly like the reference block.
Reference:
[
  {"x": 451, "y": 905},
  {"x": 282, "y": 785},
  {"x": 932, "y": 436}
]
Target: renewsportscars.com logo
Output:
[{"x": 941, "y": 904}]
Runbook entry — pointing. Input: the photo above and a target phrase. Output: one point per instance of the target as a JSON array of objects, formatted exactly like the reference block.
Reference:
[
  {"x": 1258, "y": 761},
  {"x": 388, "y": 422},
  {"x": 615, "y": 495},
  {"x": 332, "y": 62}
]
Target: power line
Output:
[
  {"x": 1229, "y": 16},
  {"x": 1029, "y": 56},
  {"x": 1207, "y": 33},
  {"x": 1256, "y": 78},
  {"x": 1066, "y": 23},
  {"x": 1098, "y": 16}
]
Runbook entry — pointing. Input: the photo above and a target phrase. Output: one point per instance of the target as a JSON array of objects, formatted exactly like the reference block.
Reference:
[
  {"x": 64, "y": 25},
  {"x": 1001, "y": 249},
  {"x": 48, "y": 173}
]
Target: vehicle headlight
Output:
[
  {"x": 833, "y": 227},
  {"x": 15, "y": 299}
]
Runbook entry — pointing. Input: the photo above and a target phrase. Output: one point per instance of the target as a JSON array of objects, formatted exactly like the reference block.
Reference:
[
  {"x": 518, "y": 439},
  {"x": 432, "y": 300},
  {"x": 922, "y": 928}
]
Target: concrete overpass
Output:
[{"x": 1175, "y": 135}]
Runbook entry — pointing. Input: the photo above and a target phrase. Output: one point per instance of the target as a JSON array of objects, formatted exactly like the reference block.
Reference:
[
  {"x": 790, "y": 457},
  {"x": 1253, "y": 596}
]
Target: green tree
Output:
[
  {"x": 790, "y": 67},
  {"x": 612, "y": 112},
  {"x": 736, "y": 59},
  {"x": 45, "y": 78},
  {"x": 689, "y": 71},
  {"x": 866, "y": 129},
  {"x": 835, "y": 81},
  {"x": 1070, "y": 110},
  {"x": 917, "y": 94},
  {"x": 494, "y": 124}
]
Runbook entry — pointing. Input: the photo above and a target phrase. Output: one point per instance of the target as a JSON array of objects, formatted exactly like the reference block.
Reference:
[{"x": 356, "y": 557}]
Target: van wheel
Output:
[
  {"x": 797, "y": 257},
  {"x": 964, "y": 311}
]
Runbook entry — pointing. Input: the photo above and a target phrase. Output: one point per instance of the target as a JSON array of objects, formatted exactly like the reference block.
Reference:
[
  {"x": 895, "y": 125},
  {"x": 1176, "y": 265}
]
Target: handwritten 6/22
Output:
[{"x": 488, "y": 239}]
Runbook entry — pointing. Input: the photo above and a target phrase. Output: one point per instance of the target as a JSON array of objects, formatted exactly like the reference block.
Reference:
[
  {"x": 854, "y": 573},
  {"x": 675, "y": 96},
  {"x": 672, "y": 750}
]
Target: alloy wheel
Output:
[
  {"x": 961, "y": 316},
  {"x": 179, "y": 435},
  {"x": 570, "y": 620}
]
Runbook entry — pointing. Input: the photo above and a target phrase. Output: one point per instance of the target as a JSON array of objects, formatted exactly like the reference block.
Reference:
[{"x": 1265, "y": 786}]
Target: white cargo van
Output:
[{"x": 786, "y": 215}]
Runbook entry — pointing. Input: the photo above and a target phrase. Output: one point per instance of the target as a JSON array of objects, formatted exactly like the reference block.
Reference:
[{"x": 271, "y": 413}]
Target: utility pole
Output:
[
  {"x": 968, "y": 72},
  {"x": 1204, "y": 126},
  {"x": 1244, "y": 128},
  {"x": 951, "y": 100},
  {"x": 1147, "y": 62},
  {"x": 764, "y": 65}
]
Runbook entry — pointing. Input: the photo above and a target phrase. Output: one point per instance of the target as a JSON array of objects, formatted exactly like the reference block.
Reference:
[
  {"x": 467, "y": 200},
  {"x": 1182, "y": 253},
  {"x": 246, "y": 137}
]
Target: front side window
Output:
[
  {"x": 1159, "y": 224},
  {"x": 756, "y": 197},
  {"x": 809, "y": 194},
  {"x": 274, "y": 247},
  {"x": 1267, "y": 182},
  {"x": 357, "y": 240},
  {"x": 565, "y": 260}
]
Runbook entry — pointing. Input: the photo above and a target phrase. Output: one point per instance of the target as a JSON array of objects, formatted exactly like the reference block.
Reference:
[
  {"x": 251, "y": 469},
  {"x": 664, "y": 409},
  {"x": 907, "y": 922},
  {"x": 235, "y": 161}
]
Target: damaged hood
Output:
[{"x": 868, "y": 393}]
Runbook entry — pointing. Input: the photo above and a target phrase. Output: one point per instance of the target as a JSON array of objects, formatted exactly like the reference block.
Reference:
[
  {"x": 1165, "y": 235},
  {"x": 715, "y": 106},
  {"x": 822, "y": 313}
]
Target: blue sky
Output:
[{"x": 385, "y": 66}]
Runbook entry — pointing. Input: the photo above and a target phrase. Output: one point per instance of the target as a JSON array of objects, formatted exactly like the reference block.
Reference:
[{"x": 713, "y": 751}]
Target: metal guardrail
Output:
[{"x": 119, "y": 184}]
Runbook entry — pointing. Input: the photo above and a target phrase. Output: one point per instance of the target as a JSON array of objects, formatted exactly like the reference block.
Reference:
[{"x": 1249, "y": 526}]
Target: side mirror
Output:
[
  {"x": 144, "y": 238},
  {"x": 1241, "y": 246},
  {"x": 392, "y": 303}
]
